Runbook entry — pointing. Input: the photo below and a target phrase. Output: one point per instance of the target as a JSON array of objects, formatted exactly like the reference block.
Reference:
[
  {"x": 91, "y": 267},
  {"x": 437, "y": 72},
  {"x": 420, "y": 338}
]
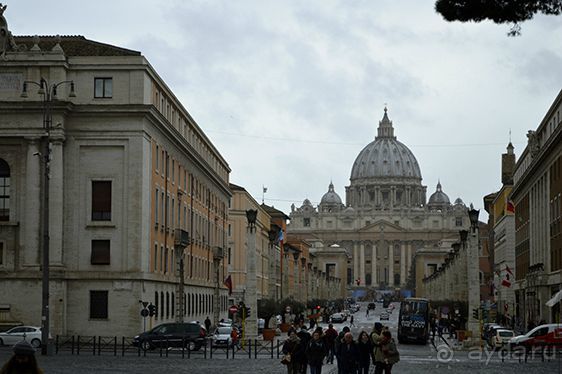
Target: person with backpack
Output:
[{"x": 389, "y": 351}]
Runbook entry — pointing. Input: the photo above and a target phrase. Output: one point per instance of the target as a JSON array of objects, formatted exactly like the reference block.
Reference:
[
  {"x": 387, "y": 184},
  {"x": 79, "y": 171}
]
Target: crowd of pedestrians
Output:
[{"x": 376, "y": 349}]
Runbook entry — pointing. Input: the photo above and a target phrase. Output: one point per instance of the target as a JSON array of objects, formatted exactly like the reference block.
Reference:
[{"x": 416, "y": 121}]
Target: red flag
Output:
[
  {"x": 508, "y": 270},
  {"x": 506, "y": 283},
  {"x": 228, "y": 284},
  {"x": 510, "y": 207}
]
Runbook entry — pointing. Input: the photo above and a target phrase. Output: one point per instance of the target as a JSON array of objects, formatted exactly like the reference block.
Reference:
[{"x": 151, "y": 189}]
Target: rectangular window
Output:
[
  {"x": 172, "y": 211},
  {"x": 157, "y": 157},
  {"x": 156, "y": 207},
  {"x": 100, "y": 252},
  {"x": 4, "y": 195},
  {"x": 458, "y": 221},
  {"x": 155, "y": 258},
  {"x": 1, "y": 253},
  {"x": 161, "y": 258},
  {"x": 98, "y": 304},
  {"x": 101, "y": 200},
  {"x": 103, "y": 88},
  {"x": 173, "y": 171},
  {"x": 166, "y": 261},
  {"x": 162, "y": 208}
]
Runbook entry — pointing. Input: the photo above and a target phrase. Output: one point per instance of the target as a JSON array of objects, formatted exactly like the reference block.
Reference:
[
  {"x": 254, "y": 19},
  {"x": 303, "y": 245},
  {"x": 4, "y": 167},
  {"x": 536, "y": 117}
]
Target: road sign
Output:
[
  {"x": 144, "y": 313},
  {"x": 233, "y": 309}
]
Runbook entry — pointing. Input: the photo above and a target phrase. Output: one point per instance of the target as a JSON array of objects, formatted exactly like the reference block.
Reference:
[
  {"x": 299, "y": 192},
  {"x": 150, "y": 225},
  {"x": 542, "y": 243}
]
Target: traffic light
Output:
[
  {"x": 248, "y": 311},
  {"x": 475, "y": 313},
  {"x": 317, "y": 307},
  {"x": 152, "y": 310},
  {"x": 484, "y": 314}
]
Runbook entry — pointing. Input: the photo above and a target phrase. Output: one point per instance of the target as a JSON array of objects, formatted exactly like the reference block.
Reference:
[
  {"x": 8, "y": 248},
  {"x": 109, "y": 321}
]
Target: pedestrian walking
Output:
[
  {"x": 389, "y": 351},
  {"x": 208, "y": 325},
  {"x": 305, "y": 338},
  {"x": 367, "y": 312},
  {"x": 330, "y": 338},
  {"x": 348, "y": 355},
  {"x": 23, "y": 361},
  {"x": 351, "y": 321},
  {"x": 365, "y": 348},
  {"x": 315, "y": 353},
  {"x": 338, "y": 343},
  {"x": 291, "y": 352},
  {"x": 234, "y": 338},
  {"x": 378, "y": 357}
]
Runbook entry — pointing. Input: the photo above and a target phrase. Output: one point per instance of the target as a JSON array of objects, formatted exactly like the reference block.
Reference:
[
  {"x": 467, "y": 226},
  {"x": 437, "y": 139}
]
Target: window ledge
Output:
[
  {"x": 106, "y": 224},
  {"x": 9, "y": 223}
]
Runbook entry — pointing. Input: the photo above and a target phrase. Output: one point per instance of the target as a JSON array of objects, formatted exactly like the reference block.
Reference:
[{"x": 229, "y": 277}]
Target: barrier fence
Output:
[{"x": 122, "y": 346}]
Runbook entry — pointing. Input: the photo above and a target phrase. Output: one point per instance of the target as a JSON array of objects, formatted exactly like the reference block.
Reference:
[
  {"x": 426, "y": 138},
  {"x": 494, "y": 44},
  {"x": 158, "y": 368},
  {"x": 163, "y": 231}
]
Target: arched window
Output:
[
  {"x": 397, "y": 279},
  {"x": 4, "y": 191}
]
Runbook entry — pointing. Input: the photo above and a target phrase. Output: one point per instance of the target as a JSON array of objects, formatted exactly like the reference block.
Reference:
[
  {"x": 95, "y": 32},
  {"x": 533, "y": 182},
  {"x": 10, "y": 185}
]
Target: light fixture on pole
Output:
[
  {"x": 473, "y": 216},
  {"x": 218, "y": 255},
  {"x": 48, "y": 94}
]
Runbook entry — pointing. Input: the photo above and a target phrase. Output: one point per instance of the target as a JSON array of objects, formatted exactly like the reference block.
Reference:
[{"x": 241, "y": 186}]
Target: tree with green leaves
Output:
[{"x": 497, "y": 11}]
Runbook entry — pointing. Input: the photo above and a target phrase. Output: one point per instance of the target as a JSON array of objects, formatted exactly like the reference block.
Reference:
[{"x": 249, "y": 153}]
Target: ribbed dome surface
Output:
[
  {"x": 331, "y": 197},
  {"x": 385, "y": 156}
]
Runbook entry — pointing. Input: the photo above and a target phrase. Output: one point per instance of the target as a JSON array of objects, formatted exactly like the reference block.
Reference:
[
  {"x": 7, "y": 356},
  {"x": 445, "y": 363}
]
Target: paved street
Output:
[{"x": 416, "y": 359}]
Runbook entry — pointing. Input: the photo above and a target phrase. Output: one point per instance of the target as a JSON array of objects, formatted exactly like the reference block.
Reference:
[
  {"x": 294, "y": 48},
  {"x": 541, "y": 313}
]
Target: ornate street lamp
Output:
[
  {"x": 464, "y": 235},
  {"x": 473, "y": 216},
  {"x": 48, "y": 94},
  {"x": 251, "y": 216}
]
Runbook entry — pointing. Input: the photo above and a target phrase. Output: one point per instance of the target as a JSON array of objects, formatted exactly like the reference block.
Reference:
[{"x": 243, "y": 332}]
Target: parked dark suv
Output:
[{"x": 188, "y": 335}]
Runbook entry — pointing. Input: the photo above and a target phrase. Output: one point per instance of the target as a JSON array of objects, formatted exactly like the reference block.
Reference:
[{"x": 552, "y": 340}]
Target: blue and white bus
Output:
[{"x": 413, "y": 320}]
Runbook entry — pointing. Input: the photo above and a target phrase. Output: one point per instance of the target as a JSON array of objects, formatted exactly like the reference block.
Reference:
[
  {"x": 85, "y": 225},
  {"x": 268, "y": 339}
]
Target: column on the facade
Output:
[
  {"x": 392, "y": 197},
  {"x": 391, "y": 265},
  {"x": 377, "y": 195},
  {"x": 374, "y": 265},
  {"x": 409, "y": 258},
  {"x": 402, "y": 263},
  {"x": 56, "y": 203},
  {"x": 362, "y": 262},
  {"x": 355, "y": 261},
  {"x": 31, "y": 238}
]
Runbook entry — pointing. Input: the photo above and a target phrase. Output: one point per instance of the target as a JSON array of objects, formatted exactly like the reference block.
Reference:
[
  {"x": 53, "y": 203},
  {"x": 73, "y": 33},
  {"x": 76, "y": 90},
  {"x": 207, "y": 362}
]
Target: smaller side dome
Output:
[
  {"x": 459, "y": 201},
  {"x": 438, "y": 199},
  {"x": 331, "y": 197},
  {"x": 306, "y": 202}
]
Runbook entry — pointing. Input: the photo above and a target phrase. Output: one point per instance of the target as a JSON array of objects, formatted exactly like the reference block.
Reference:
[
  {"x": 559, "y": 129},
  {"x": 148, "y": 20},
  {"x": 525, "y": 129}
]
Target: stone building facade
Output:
[
  {"x": 129, "y": 167},
  {"x": 386, "y": 217},
  {"x": 537, "y": 195}
]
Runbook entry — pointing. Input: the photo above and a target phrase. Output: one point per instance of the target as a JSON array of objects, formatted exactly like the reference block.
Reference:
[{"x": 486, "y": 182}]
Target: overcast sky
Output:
[{"x": 291, "y": 91}]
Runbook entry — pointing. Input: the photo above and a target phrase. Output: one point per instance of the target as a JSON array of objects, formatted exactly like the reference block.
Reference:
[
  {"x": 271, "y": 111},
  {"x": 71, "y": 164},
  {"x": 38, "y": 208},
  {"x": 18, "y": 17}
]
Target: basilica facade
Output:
[{"x": 386, "y": 217}]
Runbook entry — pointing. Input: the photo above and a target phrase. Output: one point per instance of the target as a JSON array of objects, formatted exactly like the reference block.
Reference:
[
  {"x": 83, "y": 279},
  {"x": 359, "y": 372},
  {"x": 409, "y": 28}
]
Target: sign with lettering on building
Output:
[{"x": 11, "y": 82}]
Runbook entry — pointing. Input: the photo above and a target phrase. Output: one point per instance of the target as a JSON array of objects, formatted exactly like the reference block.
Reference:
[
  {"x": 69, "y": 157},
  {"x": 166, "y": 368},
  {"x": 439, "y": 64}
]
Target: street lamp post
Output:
[
  {"x": 218, "y": 255},
  {"x": 473, "y": 262},
  {"x": 251, "y": 326},
  {"x": 48, "y": 93}
]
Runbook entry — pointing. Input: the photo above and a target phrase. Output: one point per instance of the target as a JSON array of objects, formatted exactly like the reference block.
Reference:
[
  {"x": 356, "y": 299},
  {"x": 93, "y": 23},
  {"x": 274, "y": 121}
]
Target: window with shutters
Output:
[
  {"x": 101, "y": 200},
  {"x": 100, "y": 252},
  {"x": 98, "y": 304}
]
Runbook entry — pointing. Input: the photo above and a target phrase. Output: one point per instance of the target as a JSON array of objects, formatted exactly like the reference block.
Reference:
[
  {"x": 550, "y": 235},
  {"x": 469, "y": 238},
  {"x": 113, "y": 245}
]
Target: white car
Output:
[
  {"x": 225, "y": 323},
  {"x": 221, "y": 337},
  {"x": 384, "y": 317},
  {"x": 17, "y": 334},
  {"x": 501, "y": 338}
]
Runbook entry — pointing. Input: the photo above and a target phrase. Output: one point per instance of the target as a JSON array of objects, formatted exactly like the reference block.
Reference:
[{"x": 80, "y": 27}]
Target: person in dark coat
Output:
[
  {"x": 365, "y": 349},
  {"x": 330, "y": 339},
  {"x": 293, "y": 347},
  {"x": 315, "y": 353},
  {"x": 390, "y": 352},
  {"x": 23, "y": 361},
  {"x": 208, "y": 325},
  {"x": 348, "y": 355},
  {"x": 337, "y": 343},
  {"x": 305, "y": 337}
]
